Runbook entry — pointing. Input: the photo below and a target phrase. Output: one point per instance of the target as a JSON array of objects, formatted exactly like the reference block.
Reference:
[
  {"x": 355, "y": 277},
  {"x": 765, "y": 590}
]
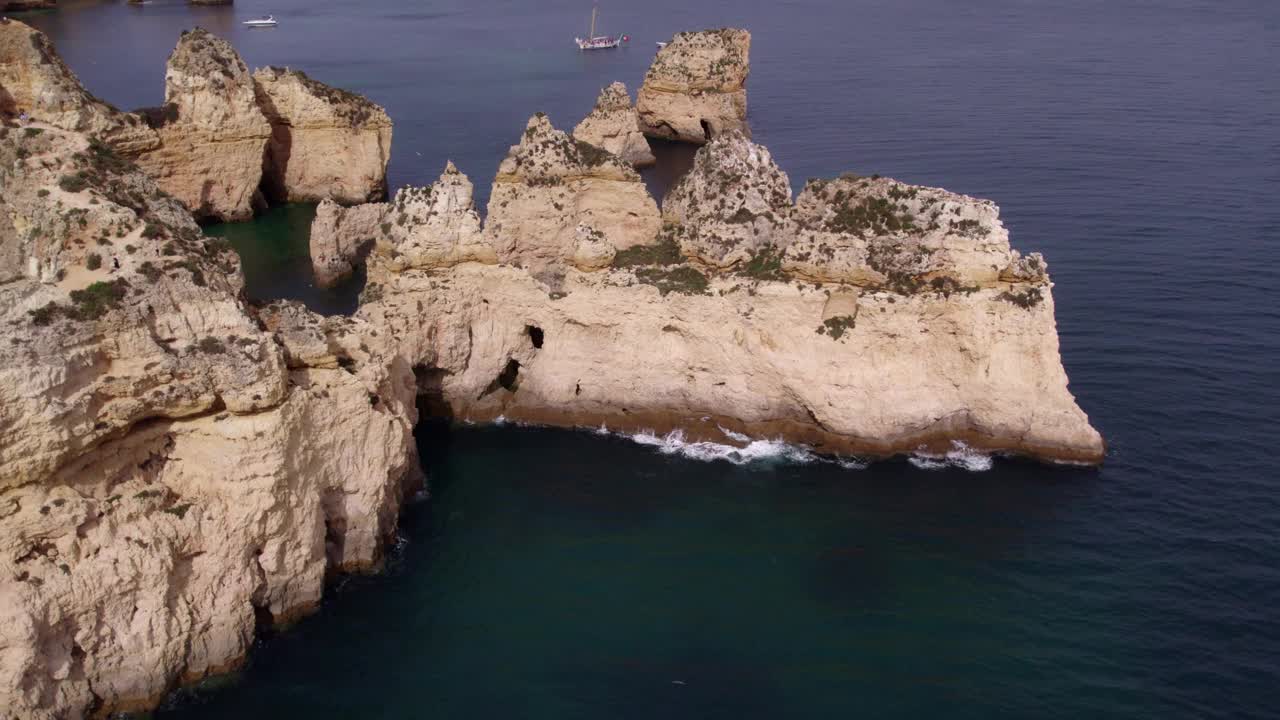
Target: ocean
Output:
[{"x": 560, "y": 574}]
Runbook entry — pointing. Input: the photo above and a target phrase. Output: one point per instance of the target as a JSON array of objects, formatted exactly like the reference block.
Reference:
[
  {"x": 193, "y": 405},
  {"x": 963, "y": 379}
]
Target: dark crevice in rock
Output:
[{"x": 535, "y": 335}]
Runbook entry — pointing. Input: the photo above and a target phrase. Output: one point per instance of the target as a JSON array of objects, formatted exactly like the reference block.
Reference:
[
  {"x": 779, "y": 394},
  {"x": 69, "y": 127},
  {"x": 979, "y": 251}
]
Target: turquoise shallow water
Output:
[{"x": 558, "y": 574}]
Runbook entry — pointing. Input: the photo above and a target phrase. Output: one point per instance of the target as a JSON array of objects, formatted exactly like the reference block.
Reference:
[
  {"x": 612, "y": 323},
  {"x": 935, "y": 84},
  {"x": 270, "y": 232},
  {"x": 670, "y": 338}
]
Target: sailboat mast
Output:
[{"x": 594, "y": 10}]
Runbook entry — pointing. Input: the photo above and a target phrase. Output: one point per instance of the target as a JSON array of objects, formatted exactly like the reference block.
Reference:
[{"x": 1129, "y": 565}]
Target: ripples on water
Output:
[{"x": 559, "y": 574}]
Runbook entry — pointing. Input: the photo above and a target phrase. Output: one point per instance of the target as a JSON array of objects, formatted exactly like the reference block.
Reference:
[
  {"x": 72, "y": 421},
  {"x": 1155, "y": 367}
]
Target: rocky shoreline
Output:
[{"x": 179, "y": 466}]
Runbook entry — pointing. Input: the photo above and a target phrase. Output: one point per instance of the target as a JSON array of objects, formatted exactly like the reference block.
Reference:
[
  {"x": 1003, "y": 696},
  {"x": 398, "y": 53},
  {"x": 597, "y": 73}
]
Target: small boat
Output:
[
  {"x": 268, "y": 21},
  {"x": 661, "y": 44},
  {"x": 599, "y": 42}
]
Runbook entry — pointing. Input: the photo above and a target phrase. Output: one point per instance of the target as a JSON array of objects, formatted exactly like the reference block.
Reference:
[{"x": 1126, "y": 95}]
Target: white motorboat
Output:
[{"x": 268, "y": 21}]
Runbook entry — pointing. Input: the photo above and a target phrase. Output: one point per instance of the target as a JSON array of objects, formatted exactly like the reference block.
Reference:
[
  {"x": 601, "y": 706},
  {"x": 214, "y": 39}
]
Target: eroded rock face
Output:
[
  {"x": 549, "y": 184},
  {"x": 35, "y": 81},
  {"x": 880, "y": 231},
  {"x": 326, "y": 143},
  {"x": 433, "y": 226},
  {"x": 168, "y": 467},
  {"x": 733, "y": 204},
  {"x": 614, "y": 125},
  {"x": 938, "y": 333},
  {"x": 696, "y": 87},
  {"x": 213, "y": 136}
]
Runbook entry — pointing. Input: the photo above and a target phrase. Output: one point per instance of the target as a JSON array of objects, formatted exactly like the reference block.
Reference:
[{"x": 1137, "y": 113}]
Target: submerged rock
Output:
[
  {"x": 325, "y": 142},
  {"x": 614, "y": 125},
  {"x": 212, "y": 134},
  {"x": 696, "y": 87}
]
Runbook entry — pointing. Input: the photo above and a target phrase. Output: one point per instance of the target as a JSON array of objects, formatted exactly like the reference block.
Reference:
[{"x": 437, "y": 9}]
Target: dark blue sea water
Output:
[{"x": 562, "y": 575}]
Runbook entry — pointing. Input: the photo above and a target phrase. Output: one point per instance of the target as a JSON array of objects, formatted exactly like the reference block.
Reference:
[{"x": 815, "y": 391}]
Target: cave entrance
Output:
[
  {"x": 706, "y": 130},
  {"x": 535, "y": 335}
]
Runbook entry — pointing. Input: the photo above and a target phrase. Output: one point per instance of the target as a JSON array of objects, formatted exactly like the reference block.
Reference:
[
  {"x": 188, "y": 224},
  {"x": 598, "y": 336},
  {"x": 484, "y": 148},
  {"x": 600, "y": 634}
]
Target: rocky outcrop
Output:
[
  {"x": 212, "y": 134},
  {"x": 614, "y": 125},
  {"x": 879, "y": 231},
  {"x": 732, "y": 206},
  {"x": 340, "y": 237},
  {"x": 174, "y": 466},
  {"x": 35, "y": 81},
  {"x": 326, "y": 143},
  {"x": 696, "y": 86},
  {"x": 549, "y": 184},
  {"x": 726, "y": 322},
  {"x": 433, "y": 226}
]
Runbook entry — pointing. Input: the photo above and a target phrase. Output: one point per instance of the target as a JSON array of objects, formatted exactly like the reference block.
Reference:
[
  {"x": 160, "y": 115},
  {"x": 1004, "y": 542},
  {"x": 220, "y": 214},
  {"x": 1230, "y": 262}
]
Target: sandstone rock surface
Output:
[
  {"x": 549, "y": 184},
  {"x": 171, "y": 472},
  {"x": 326, "y": 143},
  {"x": 614, "y": 125},
  {"x": 728, "y": 319},
  {"x": 35, "y": 81},
  {"x": 432, "y": 226},
  {"x": 212, "y": 134},
  {"x": 732, "y": 206},
  {"x": 696, "y": 86}
]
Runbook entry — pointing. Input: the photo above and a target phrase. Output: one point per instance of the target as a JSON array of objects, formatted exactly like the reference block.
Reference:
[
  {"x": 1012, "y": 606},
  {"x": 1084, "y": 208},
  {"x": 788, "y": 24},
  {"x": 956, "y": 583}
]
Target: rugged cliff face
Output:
[
  {"x": 326, "y": 143},
  {"x": 212, "y": 134},
  {"x": 871, "y": 318},
  {"x": 35, "y": 81},
  {"x": 433, "y": 226},
  {"x": 614, "y": 125},
  {"x": 174, "y": 466},
  {"x": 548, "y": 185},
  {"x": 222, "y": 133},
  {"x": 696, "y": 86}
]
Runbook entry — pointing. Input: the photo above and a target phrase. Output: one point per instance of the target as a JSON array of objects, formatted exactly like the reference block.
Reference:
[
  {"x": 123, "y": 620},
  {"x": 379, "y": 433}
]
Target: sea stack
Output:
[
  {"x": 212, "y": 134},
  {"x": 326, "y": 143},
  {"x": 696, "y": 86},
  {"x": 614, "y": 125}
]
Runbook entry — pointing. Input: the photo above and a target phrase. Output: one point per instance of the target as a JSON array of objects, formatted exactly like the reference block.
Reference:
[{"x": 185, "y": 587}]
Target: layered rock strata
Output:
[
  {"x": 614, "y": 125},
  {"x": 872, "y": 317},
  {"x": 222, "y": 133},
  {"x": 696, "y": 86},
  {"x": 175, "y": 467},
  {"x": 326, "y": 143},
  {"x": 212, "y": 134}
]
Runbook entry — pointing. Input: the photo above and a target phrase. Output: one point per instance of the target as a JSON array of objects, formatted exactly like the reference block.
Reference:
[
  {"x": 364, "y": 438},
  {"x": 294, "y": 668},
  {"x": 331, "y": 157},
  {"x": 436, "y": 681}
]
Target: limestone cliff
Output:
[
  {"x": 614, "y": 125},
  {"x": 326, "y": 143},
  {"x": 729, "y": 319},
  {"x": 429, "y": 226},
  {"x": 696, "y": 86},
  {"x": 35, "y": 81},
  {"x": 212, "y": 134},
  {"x": 548, "y": 185},
  {"x": 732, "y": 206},
  {"x": 174, "y": 466}
]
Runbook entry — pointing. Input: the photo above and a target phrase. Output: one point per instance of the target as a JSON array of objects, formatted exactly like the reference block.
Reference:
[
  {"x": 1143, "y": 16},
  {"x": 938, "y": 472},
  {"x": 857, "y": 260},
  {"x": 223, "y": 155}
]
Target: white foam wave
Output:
[
  {"x": 753, "y": 451},
  {"x": 959, "y": 456}
]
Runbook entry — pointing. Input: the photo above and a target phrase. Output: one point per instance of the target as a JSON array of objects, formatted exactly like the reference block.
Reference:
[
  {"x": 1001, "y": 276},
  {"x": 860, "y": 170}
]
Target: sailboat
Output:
[{"x": 599, "y": 42}]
